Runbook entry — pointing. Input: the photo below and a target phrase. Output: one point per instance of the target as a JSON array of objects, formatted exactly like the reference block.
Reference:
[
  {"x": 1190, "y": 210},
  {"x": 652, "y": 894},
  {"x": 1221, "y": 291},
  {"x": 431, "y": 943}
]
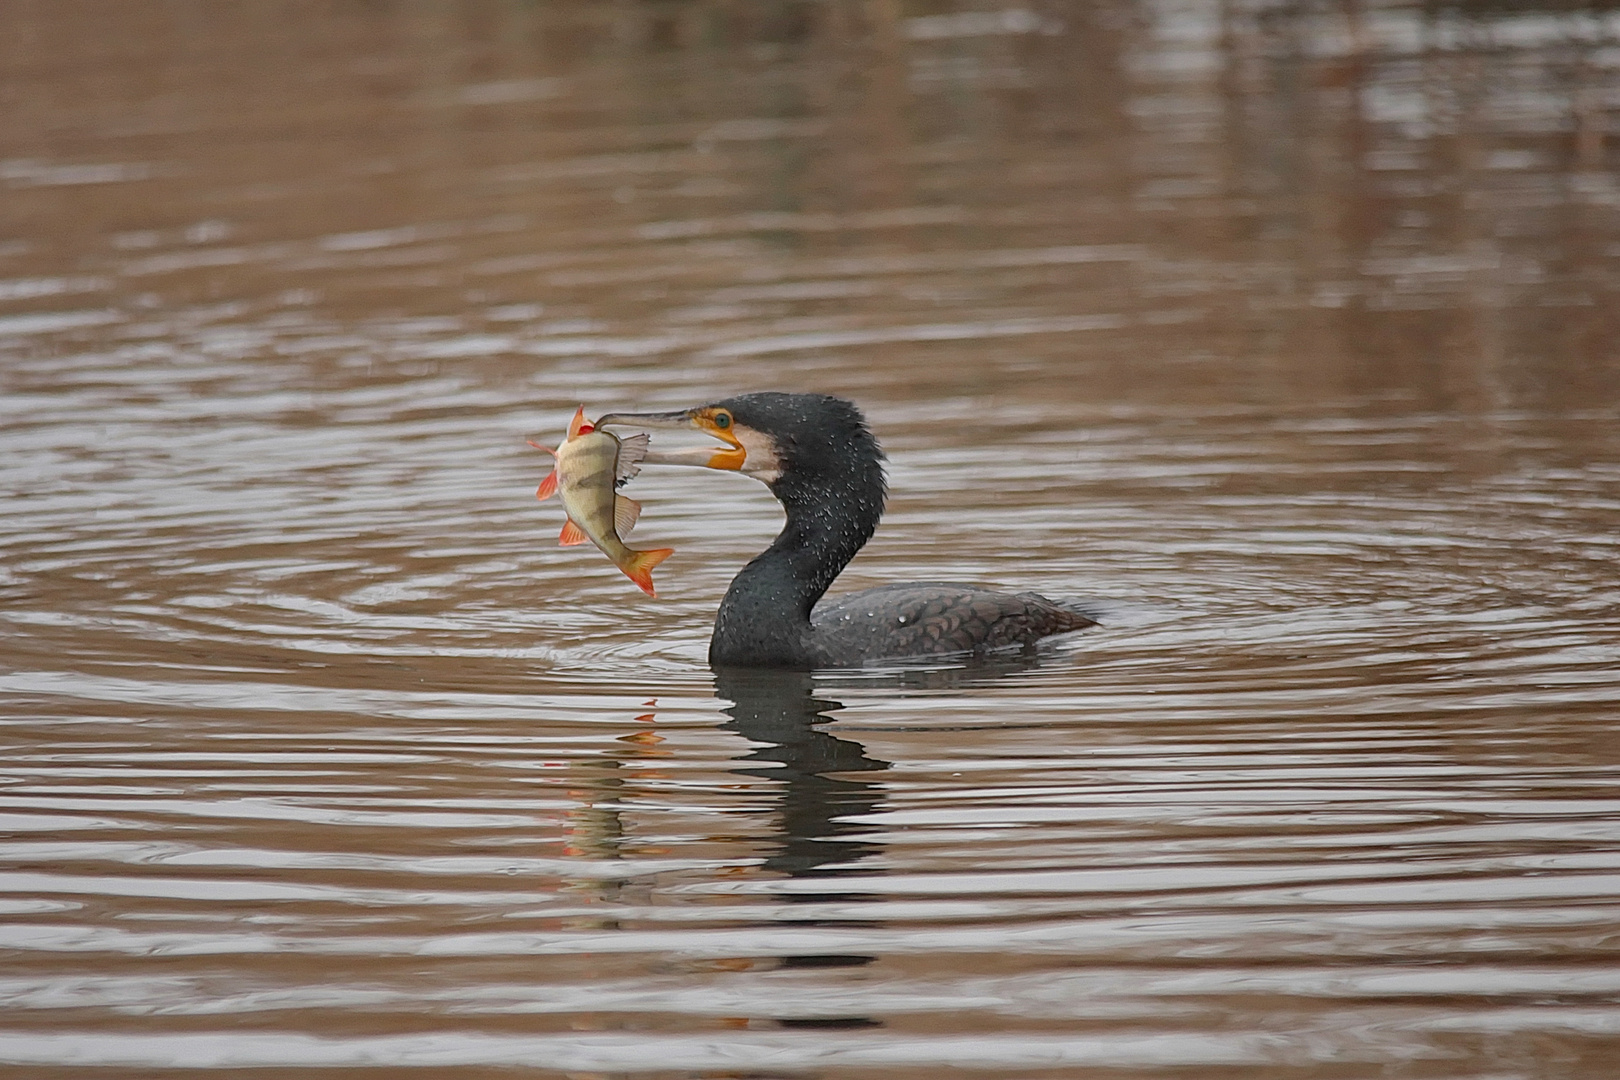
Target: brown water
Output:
[{"x": 1283, "y": 335}]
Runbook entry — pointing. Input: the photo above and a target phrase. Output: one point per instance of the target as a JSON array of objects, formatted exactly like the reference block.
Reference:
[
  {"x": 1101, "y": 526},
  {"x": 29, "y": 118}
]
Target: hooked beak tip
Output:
[{"x": 731, "y": 457}]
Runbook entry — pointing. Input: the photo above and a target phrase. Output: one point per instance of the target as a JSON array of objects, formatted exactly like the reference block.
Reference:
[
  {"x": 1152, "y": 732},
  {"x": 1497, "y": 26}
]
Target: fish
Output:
[{"x": 591, "y": 465}]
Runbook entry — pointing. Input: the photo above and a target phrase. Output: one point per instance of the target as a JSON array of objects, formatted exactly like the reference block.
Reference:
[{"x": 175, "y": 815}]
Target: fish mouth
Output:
[{"x": 714, "y": 422}]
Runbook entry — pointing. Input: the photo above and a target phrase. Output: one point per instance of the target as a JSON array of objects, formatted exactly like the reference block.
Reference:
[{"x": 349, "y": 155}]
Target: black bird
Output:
[{"x": 823, "y": 464}]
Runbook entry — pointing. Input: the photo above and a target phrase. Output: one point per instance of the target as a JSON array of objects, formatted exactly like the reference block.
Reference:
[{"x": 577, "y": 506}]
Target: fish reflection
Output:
[{"x": 594, "y": 823}]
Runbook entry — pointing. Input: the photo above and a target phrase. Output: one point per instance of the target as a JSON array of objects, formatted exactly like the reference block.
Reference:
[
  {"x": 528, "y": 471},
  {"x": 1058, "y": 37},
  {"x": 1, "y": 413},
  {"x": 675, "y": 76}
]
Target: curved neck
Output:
[{"x": 765, "y": 616}]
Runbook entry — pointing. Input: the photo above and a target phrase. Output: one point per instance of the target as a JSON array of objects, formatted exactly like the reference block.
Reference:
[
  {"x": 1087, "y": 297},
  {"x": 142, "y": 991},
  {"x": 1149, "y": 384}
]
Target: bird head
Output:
[{"x": 773, "y": 437}]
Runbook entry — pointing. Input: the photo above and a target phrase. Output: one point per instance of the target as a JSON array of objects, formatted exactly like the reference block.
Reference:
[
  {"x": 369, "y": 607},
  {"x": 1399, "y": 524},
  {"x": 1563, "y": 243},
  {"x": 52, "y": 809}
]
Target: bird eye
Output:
[{"x": 722, "y": 420}]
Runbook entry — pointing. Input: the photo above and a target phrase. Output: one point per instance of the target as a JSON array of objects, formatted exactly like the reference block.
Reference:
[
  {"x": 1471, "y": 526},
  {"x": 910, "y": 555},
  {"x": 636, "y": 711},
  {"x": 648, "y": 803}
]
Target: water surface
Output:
[{"x": 1283, "y": 337}]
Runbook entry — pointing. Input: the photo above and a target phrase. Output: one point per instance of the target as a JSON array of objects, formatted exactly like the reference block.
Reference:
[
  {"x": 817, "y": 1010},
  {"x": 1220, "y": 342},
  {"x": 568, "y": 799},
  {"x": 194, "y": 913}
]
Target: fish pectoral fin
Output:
[
  {"x": 548, "y": 486},
  {"x": 631, "y": 450},
  {"x": 571, "y": 534},
  {"x": 625, "y": 512}
]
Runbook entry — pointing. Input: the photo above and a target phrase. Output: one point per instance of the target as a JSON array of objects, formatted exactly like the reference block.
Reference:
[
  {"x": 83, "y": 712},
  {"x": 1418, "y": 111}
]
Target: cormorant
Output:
[{"x": 823, "y": 464}]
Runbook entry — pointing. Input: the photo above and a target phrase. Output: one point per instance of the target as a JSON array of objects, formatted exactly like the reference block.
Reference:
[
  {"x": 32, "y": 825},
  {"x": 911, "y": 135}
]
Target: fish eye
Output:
[{"x": 722, "y": 420}]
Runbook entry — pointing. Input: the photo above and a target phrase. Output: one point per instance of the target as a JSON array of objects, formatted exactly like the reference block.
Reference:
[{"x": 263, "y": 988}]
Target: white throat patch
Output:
[{"x": 761, "y": 462}]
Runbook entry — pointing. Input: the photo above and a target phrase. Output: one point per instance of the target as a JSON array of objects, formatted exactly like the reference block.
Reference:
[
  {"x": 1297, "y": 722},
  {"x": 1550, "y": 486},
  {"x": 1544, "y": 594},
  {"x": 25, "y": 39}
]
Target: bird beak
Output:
[{"x": 709, "y": 457}]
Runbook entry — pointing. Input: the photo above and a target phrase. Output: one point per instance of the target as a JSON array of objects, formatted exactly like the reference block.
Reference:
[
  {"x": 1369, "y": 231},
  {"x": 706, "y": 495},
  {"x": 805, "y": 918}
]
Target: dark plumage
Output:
[{"x": 823, "y": 464}]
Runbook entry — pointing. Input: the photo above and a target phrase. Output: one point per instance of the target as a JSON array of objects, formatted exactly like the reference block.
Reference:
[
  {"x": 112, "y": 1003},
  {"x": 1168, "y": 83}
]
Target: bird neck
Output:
[{"x": 766, "y": 613}]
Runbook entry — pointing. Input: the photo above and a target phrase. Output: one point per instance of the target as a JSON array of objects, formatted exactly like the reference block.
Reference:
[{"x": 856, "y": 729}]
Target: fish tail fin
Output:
[{"x": 639, "y": 566}]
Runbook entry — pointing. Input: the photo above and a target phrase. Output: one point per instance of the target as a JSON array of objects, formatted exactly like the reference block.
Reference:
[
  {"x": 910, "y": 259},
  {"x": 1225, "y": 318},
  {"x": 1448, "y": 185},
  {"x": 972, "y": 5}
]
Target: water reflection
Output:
[
  {"x": 1287, "y": 328},
  {"x": 779, "y": 709},
  {"x": 819, "y": 812}
]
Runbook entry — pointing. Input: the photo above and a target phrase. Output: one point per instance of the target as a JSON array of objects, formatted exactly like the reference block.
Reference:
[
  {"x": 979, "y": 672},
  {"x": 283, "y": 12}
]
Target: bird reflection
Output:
[
  {"x": 819, "y": 837},
  {"x": 779, "y": 709},
  {"x": 825, "y": 802}
]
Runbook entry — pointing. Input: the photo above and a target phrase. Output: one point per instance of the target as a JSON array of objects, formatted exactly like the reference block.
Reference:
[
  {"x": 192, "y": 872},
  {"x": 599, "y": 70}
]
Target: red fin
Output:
[
  {"x": 638, "y": 567},
  {"x": 537, "y": 446},
  {"x": 571, "y": 534},
  {"x": 577, "y": 423},
  {"x": 548, "y": 486}
]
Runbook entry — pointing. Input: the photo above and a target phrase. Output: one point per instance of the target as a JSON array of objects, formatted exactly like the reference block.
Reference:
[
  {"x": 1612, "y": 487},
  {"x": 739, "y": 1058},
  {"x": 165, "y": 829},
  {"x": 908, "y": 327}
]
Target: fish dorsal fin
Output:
[
  {"x": 631, "y": 451},
  {"x": 625, "y": 513},
  {"x": 577, "y": 423},
  {"x": 571, "y": 534}
]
